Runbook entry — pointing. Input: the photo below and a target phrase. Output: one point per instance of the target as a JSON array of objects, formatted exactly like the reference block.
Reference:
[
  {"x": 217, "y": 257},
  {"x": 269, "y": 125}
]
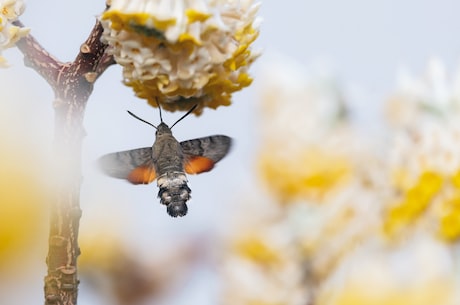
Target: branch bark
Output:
[{"x": 72, "y": 84}]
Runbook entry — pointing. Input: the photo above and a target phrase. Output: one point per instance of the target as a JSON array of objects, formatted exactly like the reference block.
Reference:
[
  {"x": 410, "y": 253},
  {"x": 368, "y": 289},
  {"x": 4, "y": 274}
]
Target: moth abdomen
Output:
[
  {"x": 174, "y": 193},
  {"x": 175, "y": 209}
]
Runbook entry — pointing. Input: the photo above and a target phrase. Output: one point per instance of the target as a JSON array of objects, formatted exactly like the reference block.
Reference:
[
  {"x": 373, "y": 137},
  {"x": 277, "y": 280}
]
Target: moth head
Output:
[{"x": 162, "y": 128}]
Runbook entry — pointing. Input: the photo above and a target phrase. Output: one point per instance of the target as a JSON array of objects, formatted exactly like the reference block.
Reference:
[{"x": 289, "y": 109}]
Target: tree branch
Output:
[
  {"x": 37, "y": 58},
  {"x": 72, "y": 84}
]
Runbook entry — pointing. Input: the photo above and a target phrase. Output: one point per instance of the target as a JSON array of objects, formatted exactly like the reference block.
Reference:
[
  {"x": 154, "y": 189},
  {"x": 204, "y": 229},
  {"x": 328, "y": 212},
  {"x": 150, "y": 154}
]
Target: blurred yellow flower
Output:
[
  {"x": 425, "y": 156},
  {"x": 307, "y": 148},
  {"x": 262, "y": 267},
  {"x": 415, "y": 201},
  {"x": 257, "y": 249},
  {"x": 308, "y": 175},
  {"x": 450, "y": 217},
  {"x": 183, "y": 52},
  {"x": 425, "y": 164},
  {"x": 427, "y": 294},
  {"x": 23, "y": 209}
]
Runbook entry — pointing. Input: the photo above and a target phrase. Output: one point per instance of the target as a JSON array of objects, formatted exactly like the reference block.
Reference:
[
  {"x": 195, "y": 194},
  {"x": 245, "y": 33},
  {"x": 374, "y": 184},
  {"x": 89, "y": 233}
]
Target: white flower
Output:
[
  {"x": 376, "y": 274},
  {"x": 432, "y": 146},
  {"x": 9, "y": 33},
  {"x": 184, "y": 51},
  {"x": 430, "y": 97},
  {"x": 295, "y": 104},
  {"x": 424, "y": 160}
]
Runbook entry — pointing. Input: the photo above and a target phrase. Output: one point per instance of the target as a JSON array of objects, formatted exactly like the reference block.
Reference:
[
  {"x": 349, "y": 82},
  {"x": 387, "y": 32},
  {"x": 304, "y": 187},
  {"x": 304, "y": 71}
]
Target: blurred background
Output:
[{"x": 342, "y": 186}]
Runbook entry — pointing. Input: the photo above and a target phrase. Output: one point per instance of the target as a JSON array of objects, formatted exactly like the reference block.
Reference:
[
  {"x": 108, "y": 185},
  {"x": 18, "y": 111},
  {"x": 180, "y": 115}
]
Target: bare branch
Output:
[
  {"x": 91, "y": 59},
  {"x": 72, "y": 84},
  {"x": 92, "y": 56},
  {"x": 37, "y": 58}
]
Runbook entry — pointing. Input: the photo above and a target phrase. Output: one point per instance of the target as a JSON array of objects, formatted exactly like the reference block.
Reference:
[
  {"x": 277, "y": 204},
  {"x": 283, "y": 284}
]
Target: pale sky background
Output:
[{"x": 363, "y": 43}]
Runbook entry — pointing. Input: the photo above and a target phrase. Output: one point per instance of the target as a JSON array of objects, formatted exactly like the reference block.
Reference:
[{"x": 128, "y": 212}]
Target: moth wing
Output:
[
  {"x": 203, "y": 153},
  {"x": 134, "y": 165},
  {"x": 143, "y": 174}
]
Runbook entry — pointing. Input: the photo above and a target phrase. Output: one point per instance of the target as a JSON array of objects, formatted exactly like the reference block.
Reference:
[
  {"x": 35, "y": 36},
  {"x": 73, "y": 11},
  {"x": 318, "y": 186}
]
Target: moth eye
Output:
[{"x": 177, "y": 209}]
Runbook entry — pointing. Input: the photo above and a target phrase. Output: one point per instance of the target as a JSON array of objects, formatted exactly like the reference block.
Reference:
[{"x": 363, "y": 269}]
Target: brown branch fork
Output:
[{"x": 72, "y": 83}]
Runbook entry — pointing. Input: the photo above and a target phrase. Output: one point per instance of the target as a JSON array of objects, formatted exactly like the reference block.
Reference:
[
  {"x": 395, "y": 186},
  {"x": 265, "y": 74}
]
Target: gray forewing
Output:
[
  {"x": 212, "y": 147},
  {"x": 120, "y": 164}
]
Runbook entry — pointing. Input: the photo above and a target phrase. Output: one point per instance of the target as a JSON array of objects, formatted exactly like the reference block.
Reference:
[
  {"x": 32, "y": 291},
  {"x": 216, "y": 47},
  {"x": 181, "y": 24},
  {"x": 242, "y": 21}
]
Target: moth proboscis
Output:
[{"x": 167, "y": 161}]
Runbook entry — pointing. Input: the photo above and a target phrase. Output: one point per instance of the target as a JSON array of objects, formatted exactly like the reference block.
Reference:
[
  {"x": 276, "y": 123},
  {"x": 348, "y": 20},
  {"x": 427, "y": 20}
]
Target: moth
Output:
[{"x": 167, "y": 161}]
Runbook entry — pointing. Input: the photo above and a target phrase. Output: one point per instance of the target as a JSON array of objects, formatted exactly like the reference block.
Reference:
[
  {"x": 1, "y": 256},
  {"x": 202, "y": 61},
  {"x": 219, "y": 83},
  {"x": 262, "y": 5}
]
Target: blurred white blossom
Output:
[
  {"x": 424, "y": 156},
  {"x": 343, "y": 219},
  {"x": 10, "y": 10},
  {"x": 433, "y": 96}
]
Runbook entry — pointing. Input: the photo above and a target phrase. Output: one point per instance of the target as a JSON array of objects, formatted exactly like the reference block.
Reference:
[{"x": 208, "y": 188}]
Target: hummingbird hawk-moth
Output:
[{"x": 167, "y": 161}]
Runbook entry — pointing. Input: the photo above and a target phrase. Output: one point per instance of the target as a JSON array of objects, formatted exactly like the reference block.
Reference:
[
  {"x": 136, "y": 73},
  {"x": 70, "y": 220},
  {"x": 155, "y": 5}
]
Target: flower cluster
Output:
[
  {"x": 341, "y": 212},
  {"x": 308, "y": 148},
  {"x": 9, "y": 33},
  {"x": 425, "y": 156},
  {"x": 261, "y": 263},
  {"x": 183, "y": 52}
]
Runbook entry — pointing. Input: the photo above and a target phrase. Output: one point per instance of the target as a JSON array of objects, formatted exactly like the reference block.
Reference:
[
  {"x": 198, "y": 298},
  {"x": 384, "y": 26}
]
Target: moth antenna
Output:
[
  {"x": 159, "y": 107},
  {"x": 135, "y": 116},
  {"x": 188, "y": 112}
]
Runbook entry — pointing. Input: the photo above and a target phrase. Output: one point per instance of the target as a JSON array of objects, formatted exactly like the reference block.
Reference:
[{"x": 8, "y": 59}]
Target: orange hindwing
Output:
[
  {"x": 142, "y": 175},
  {"x": 198, "y": 164}
]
